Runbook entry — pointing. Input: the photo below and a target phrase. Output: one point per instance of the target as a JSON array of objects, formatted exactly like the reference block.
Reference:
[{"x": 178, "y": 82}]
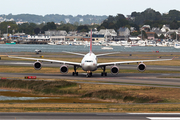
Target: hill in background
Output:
[{"x": 79, "y": 19}]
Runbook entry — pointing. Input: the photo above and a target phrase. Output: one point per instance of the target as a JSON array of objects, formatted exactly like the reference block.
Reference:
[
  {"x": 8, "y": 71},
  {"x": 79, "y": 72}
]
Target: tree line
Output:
[
  {"x": 137, "y": 19},
  {"x": 34, "y": 29}
]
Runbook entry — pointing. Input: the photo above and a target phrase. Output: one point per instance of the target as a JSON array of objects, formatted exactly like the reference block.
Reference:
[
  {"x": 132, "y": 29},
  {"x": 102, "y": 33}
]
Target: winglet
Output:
[
  {"x": 173, "y": 57},
  {"x": 7, "y": 55}
]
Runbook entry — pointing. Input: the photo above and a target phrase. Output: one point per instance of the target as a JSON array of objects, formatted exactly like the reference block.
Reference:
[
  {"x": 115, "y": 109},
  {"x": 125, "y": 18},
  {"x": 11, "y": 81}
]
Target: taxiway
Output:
[{"x": 86, "y": 116}]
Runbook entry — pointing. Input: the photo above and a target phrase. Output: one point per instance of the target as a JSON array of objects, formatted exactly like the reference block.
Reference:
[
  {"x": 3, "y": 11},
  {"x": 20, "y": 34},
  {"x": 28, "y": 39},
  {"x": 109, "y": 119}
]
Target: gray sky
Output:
[{"x": 83, "y": 7}]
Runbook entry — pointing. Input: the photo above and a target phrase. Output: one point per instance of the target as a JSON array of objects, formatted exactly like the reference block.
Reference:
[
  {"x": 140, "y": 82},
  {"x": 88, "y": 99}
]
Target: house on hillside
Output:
[
  {"x": 165, "y": 28},
  {"x": 123, "y": 34},
  {"x": 150, "y": 35},
  {"x": 170, "y": 32},
  {"x": 146, "y": 28},
  {"x": 158, "y": 31},
  {"x": 109, "y": 34},
  {"x": 123, "y": 31}
]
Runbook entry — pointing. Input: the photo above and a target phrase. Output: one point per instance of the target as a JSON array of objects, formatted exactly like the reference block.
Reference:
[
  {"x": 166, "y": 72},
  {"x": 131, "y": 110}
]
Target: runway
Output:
[
  {"x": 86, "y": 116},
  {"x": 123, "y": 66},
  {"x": 153, "y": 79},
  {"x": 148, "y": 79}
]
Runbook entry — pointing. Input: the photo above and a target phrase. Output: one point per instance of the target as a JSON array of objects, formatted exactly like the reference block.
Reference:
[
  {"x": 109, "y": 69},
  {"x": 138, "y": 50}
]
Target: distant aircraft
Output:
[{"x": 89, "y": 63}]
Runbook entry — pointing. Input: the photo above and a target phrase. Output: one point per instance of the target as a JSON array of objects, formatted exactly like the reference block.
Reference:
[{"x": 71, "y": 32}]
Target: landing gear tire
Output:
[
  {"x": 104, "y": 74},
  {"x": 101, "y": 74},
  {"x": 89, "y": 75},
  {"x": 75, "y": 73}
]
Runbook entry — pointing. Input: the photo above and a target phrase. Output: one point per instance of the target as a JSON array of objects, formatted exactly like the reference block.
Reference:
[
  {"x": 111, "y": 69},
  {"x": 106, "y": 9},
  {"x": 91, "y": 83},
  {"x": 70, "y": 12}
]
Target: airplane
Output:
[{"x": 89, "y": 63}]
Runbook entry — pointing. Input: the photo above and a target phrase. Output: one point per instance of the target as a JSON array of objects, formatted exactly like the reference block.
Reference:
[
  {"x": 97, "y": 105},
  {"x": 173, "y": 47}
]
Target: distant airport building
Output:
[
  {"x": 55, "y": 33},
  {"x": 44, "y": 39}
]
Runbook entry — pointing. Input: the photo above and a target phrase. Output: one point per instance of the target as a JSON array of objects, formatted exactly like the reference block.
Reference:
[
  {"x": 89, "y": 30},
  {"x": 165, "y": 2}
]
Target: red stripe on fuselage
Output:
[{"x": 91, "y": 43}]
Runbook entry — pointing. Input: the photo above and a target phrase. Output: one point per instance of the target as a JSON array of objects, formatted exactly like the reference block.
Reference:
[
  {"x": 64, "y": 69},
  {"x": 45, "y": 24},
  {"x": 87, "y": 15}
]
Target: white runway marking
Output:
[{"x": 163, "y": 118}]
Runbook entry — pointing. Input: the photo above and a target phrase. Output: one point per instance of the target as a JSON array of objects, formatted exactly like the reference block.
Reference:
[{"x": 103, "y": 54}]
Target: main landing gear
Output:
[
  {"x": 75, "y": 73},
  {"x": 104, "y": 73}
]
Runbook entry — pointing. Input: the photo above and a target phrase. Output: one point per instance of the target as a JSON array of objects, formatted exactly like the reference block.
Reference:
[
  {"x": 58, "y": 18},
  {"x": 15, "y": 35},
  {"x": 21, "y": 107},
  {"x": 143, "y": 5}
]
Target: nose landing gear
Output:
[{"x": 89, "y": 74}]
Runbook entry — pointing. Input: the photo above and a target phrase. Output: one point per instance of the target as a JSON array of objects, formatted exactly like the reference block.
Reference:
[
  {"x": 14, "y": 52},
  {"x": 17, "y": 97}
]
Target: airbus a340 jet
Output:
[{"x": 89, "y": 63}]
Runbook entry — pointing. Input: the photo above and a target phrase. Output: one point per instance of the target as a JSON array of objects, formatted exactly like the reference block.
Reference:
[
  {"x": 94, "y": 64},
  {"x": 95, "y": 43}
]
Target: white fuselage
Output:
[{"x": 89, "y": 62}]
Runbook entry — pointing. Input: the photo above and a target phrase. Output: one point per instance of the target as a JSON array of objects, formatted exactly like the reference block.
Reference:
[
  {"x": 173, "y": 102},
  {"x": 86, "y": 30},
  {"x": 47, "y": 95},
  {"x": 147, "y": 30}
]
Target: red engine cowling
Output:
[
  {"x": 37, "y": 65},
  {"x": 114, "y": 70},
  {"x": 64, "y": 69},
  {"x": 141, "y": 67}
]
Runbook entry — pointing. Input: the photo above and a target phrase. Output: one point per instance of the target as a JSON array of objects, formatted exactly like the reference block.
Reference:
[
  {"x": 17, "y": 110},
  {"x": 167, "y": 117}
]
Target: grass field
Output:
[
  {"x": 90, "y": 98},
  {"x": 85, "y": 108},
  {"x": 93, "y": 92}
]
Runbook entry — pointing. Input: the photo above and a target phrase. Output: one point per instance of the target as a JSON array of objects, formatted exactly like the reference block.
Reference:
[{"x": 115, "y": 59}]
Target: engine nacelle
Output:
[
  {"x": 114, "y": 70},
  {"x": 64, "y": 69},
  {"x": 37, "y": 65},
  {"x": 141, "y": 67}
]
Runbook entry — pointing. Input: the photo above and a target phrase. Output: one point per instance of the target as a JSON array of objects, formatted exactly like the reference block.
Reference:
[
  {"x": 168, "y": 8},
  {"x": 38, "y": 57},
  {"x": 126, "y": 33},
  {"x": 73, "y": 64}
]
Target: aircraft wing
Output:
[
  {"x": 126, "y": 62},
  {"x": 47, "y": 60}
]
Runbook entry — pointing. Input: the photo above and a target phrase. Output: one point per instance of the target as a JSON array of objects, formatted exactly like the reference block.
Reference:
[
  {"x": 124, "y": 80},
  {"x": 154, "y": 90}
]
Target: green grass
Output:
[
  {"x": 125, "y": 96},
  {"x": 64, "y": 88}
]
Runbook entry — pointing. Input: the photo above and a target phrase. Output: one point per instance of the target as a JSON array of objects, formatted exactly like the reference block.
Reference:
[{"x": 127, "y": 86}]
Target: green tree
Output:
[
  {"x": 136, "y": 33},
  {"x": 148, "y": 14},
  {"x": 27, "y": 28},
  {"x": 49, "y": 26},
  {"x": 144, "y": 35},
  {"x": 4, "y": 25},
  {"x": 174, "y": 25},
  {"x": 155, "y": 35},
  {"x": 162, "y": 36},
  {"x": 37, "y": 30},
  {"x": 67, "y": 27},
  {"x": 114, "y": 22},
  {"x": 82, "y": 28}
]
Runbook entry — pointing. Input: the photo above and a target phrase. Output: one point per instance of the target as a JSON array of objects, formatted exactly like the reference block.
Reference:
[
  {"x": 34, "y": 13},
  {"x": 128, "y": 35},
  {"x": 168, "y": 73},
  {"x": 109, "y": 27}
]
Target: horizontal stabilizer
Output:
[
  {"x": 107, "y": 54},
  {"x": 74, "y": 53}
]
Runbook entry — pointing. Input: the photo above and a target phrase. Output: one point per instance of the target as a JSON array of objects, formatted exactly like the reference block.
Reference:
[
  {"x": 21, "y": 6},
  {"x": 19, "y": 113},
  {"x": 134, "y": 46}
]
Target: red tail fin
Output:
[{"x": 91, "y": 42}]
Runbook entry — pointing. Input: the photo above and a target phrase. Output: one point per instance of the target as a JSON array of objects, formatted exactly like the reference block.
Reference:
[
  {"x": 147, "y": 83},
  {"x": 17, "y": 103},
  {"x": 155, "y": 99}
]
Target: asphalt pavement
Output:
[{"x": 88, "y": 116}]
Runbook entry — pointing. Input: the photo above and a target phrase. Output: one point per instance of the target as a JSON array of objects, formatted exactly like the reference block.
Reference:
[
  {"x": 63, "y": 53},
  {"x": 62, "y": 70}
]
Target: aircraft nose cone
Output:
[{"x": 88, "y": 66}]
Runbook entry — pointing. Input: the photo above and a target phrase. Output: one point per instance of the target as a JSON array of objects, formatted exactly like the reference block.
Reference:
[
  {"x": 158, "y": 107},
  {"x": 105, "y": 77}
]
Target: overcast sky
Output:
[{"x": 83, "y": 7}]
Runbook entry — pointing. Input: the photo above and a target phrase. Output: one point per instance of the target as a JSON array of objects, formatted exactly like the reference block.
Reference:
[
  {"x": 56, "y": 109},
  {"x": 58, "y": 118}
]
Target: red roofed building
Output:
[{"x": 150, "y": 35}]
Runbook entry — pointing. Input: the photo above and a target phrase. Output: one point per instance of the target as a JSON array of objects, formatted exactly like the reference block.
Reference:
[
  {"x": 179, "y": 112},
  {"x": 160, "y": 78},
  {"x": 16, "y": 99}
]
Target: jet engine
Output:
[
  {"x": 114, "y": 70},
  {"x": 37, "y": 65},
  {"x": 64, "y": 69},
  {"x": 141, "y": 67}
]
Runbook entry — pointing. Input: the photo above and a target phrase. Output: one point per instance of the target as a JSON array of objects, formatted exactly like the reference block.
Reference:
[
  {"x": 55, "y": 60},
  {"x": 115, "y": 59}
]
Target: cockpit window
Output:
[{"x": 88, "y": 61}]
